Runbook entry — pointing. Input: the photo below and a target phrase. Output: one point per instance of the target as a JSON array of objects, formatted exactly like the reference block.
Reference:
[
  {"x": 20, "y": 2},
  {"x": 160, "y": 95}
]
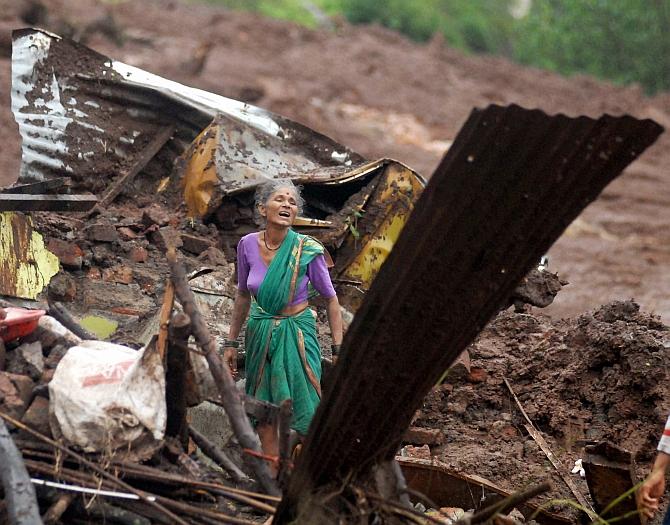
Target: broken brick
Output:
[
  {"x": 126, "y": 233},
  {"x": 155, "y": 215},
  {"x": 15, "y": 393},
  {"x": 477, "y": 375},
  {"x": 423, "y": 436},
  {"x": 69, "y": 254},
  {"x": 101, "y": 232},
  {"x": 62, "y": 287},
  {"x": 94, "y": 273},
  {"x": 138, "y": 254},
  {"x": 195, "y": 244},
  {"x": 37, "y": 416},
  {"x": 118, "y": 274},
  {"x": 165, "y": 237},
  {"x": 422, "y": 452},
  {"x": 26, "y": 359},
  {"x": 213, "y": 256}
]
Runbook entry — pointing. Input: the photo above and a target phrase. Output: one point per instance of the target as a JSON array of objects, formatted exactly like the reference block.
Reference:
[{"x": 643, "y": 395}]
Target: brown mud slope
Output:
[
  {"x": 382, "y": 95},
  {"x": 601, "y": 376}
]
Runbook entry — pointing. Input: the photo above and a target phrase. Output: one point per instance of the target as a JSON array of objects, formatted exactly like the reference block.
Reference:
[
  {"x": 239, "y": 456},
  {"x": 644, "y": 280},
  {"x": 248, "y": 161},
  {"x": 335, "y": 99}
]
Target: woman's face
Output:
[{"x": 281, "y": 208}]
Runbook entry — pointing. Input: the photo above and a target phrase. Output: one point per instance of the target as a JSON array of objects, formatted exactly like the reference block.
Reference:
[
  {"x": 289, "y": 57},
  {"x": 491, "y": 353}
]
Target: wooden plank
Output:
[
  {"x": 60, "y": 203},
  {"x": 148, "y": 153},
  {"x": 39, "y": 188}
]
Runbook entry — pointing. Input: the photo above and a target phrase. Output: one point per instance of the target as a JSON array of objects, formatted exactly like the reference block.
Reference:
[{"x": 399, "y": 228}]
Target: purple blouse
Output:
[{"x": 251, "y": 270}]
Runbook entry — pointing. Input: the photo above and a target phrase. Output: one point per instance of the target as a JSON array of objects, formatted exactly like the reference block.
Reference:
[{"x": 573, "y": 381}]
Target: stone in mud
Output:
[{"x": 27, "y": 359}]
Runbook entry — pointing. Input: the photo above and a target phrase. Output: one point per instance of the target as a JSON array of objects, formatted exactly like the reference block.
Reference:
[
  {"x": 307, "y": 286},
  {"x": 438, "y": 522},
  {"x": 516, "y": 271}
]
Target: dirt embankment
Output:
[{"x": 600, "y": 377}]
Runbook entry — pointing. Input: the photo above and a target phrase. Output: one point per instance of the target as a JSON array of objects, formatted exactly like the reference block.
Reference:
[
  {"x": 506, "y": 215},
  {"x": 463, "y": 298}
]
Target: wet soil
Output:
[{"x": 602, "y": 376}]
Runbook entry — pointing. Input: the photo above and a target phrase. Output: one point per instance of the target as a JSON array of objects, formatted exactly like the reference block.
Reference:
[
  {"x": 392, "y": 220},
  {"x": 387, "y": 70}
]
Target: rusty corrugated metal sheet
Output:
[
  {"x": 511, "y": 183},
  {"x": 85, "y": 115}
]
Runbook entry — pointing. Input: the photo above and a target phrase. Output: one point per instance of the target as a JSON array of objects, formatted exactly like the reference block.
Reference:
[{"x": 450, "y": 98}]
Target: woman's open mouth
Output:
[{"x": 285, "y": 214}]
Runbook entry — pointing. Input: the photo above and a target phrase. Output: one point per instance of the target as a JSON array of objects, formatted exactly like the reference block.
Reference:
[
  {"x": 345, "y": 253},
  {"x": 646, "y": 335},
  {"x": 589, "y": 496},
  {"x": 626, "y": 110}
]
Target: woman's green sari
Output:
[{"x": 283, "y": 356}]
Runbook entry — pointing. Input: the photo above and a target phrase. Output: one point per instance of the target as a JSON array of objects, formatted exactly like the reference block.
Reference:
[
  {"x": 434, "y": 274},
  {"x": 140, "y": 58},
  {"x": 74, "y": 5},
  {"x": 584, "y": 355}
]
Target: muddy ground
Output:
[{"x": 599, "y": 375}]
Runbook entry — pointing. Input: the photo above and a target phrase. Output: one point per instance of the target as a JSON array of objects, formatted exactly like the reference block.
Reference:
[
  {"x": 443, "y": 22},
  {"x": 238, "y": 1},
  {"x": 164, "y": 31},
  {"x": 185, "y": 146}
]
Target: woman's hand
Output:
[{"x": 230, "y": 357}]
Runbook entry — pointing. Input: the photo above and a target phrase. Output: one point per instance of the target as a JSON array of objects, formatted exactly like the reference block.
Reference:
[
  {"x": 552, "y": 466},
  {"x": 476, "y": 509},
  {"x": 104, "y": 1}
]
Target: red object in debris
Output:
[{"x": 18, "y": 322}]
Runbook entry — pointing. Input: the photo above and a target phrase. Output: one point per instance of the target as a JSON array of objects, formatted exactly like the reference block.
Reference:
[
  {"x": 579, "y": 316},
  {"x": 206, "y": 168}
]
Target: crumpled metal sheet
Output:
[
  {"x": 26, "y": 266},
  {"x": 83, "y": 114}
]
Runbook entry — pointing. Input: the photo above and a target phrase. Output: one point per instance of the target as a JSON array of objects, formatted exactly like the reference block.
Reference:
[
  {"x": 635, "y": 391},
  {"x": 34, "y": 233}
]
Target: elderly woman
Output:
[{"x": 275, "y": 266}]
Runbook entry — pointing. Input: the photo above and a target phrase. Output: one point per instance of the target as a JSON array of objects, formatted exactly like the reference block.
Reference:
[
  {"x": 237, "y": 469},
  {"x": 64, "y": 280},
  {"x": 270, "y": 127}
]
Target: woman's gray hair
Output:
[{"x": 265, "y": 191}]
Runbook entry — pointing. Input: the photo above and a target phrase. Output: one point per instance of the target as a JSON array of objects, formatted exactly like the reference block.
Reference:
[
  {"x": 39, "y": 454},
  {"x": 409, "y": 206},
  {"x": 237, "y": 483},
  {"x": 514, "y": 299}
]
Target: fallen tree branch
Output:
[
  {"x": 56, "y": 510},
  {"x": 19, "y": 491},
  {"x": 230, "y": 396},
  {"x": 218, "y": 456}
]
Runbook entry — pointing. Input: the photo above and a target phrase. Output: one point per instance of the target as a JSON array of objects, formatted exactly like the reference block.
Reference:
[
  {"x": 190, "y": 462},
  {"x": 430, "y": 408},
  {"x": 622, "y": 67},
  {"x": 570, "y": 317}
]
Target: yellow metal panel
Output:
[
  {"x": 200, "y": 181},
  {"x": 26, "y": 266},
  {"x": 386, "y": 213}
]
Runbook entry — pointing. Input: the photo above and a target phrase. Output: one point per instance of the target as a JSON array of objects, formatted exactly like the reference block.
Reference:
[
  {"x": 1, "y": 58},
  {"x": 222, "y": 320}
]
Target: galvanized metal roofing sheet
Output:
[{"x": 85, "y": 115}]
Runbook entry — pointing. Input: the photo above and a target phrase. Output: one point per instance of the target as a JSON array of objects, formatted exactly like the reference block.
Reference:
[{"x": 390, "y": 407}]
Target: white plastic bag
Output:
[{"x": 105, "y": 396}]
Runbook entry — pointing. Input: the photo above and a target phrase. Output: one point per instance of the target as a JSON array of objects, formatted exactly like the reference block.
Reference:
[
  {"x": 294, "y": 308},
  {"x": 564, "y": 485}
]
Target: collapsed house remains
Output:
[{"x": 510, "y": 184}]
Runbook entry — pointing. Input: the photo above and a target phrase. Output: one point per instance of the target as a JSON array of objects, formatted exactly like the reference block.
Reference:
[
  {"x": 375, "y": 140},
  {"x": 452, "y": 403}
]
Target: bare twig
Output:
[
  {"x": 143, "y": 495},
  {"x": 219, "y": 456},
  {"x": 230, "y": 396}
]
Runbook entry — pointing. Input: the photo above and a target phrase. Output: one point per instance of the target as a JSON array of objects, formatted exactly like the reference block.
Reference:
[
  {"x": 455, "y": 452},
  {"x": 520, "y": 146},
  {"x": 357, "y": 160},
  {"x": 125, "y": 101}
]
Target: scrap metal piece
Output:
[
  {"x": 448, "y": 488},
  {"x": 26, "y": 266},
  {"x": 610, "y": 475},
  {"x": 511, "y": 183},
  {"x": 83, "y": 114}
]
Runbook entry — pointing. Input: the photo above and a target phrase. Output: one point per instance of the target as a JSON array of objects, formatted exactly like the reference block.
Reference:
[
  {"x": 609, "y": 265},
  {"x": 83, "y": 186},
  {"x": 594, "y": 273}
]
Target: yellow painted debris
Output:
[
  {"x": 388, "y": 210},
  {"x": 26, "y": 266},
  {"x": 200, "y": 181}
]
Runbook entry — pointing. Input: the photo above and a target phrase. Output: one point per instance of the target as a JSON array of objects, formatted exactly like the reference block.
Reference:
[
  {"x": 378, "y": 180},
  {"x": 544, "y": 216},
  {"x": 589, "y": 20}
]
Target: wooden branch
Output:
[
  {"x": 141, "y": 494},
  {"x": 142, "y": 160},
  {"x": 175, "y": 376},
  {"x": 230, "y": 396},
  {"x": 53, "y": 513},
  {"x": 285, "y": 417},
  {"x": 164, "y": 318},
  {"x": 19, "y": 491},
  {"x": 535, "y": 434},
  {"x": 218, "y": 456},
  {"x": 507, "y": 504},
  {"x": 59, "y": 312}
]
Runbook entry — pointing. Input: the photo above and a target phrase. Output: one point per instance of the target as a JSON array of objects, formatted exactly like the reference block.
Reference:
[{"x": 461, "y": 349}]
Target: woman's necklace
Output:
[{"x": 266, "y": 244}]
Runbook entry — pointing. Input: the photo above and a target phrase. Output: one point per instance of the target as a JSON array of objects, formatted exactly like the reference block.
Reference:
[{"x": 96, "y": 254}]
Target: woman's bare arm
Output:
[
  {"x": 335, "y": 319},
  {"x": 240, "y": 312}
]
